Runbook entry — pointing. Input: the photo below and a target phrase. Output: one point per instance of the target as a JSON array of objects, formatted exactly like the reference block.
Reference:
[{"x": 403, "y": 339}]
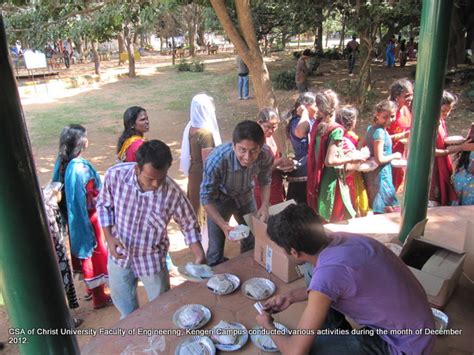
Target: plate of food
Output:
[
  {"x": 367, "y": 166},
  {"x": 399, "y": 163},
  {"x": 264, "y": 341},
  {"x": 192, "y": 316},
  {"x": 223, "y": 284},
  {"x": 454, "y": 140},
  {"x": 240, "y": 232},
  {"x": 198, "y": 345},
  {"x": 441, "y": 319},
  {"x": 258, "y": 288},
  {"x": 229, "y": 336},
  {"x": 196, "y": 272}
]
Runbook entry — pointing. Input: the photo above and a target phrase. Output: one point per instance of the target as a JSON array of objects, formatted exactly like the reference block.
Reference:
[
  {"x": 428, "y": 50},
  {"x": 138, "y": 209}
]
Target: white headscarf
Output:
[{"x": 202, "y": 115}]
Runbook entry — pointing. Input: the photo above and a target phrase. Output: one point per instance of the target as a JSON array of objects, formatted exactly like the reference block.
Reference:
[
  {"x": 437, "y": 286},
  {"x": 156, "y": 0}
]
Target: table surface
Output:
[
  {"x": 158, "y": 314},
  {"x": 445, "y": 224}
]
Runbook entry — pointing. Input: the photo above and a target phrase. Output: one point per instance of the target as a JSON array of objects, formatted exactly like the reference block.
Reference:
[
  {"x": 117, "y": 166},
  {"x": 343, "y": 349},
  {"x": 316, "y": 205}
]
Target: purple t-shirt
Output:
[{"x": 370, "y": 284}]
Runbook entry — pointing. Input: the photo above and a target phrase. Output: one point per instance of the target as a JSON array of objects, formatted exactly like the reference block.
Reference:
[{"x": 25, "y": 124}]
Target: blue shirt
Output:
[{"x": 224, "y": 176}]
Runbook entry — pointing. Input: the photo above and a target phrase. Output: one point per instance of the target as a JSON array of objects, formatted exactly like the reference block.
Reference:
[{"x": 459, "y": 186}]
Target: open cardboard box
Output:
[
  {"x": 436, "y": 266},
  {"x": 268, "y": 254}
]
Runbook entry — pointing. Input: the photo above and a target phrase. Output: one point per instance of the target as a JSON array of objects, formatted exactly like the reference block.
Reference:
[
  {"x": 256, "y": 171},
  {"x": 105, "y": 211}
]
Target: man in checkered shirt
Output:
[{"x": 135, "y": 206}]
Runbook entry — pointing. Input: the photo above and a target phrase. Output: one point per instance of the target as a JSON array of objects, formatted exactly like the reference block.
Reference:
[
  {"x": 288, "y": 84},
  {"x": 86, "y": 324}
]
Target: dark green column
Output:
[
  {"x": 29, "y": 274},
  {"x": 429, "y": 83}
]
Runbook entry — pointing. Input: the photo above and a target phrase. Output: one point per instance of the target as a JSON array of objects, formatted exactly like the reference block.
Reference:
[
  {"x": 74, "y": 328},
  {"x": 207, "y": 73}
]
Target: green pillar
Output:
[
  {"x": 429, "y": 83},
  {"x": 29, "y": 274}
]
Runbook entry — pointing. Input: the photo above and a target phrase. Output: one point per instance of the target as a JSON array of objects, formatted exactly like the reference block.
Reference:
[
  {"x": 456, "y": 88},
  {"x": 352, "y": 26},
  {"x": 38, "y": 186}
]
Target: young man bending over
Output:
[{"x": 353, "y": 276}]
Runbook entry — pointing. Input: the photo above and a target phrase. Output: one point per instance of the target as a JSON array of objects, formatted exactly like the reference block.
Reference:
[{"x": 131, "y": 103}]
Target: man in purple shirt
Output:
[
  {"x": 135, "y": 206},
  {"x": 353, "y": 276}
]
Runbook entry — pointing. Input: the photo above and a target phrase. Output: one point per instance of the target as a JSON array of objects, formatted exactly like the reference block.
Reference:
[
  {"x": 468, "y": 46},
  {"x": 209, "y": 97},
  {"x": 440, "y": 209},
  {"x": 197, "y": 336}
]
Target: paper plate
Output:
[
  {"x": 206, "y": 318},
  {"x": 266, "y": 284},
  {"x": 203, "y": 345},
  {"x": 404, "y": 141},
  {"x": 241, "y": 338},
  {"x": 453, "y": 140},
  {"x": 367, "y": 166},
  {"x": 399, "y": 163},
  {"x": 441, "y": 319},
  {"x": 183, "y": 272},
  {"x": 240, "y": 232},
  {"x": 257, "y": 339},
  {"x": 229, "y": 277}
]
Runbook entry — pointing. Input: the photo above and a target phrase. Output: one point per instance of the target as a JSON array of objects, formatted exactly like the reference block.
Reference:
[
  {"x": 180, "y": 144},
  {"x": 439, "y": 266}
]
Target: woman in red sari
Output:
[
  {"x": 268, "y": 119},
  {"x": 401, "y": 92},
  {"x": 442, "y": 191},
  {"x": 327, "y": 191}
]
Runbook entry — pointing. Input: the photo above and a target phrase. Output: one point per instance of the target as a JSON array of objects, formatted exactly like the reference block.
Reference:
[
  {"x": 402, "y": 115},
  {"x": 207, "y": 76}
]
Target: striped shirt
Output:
[
  {"x": 139, "y": 219},
  {"x": 224, "y": 176}
]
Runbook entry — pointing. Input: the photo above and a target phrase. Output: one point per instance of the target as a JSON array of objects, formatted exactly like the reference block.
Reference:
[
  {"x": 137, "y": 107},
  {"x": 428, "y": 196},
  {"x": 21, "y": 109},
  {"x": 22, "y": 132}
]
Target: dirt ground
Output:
[{"x": 166, "y": 96}]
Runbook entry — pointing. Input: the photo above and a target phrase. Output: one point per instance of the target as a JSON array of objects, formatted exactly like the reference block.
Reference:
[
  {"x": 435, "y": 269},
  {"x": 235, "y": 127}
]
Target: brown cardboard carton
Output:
[
  {"x": 436, "y": 266},
  {"x": 268, "y": 254}
]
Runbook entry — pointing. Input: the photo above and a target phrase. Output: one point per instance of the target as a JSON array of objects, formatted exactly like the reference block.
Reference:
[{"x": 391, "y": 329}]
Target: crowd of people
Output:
[{"x": 118, "y": 225}]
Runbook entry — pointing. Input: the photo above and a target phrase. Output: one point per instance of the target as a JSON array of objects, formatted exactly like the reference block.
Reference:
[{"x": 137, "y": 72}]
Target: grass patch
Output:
[{"x": 173, "y": 91}]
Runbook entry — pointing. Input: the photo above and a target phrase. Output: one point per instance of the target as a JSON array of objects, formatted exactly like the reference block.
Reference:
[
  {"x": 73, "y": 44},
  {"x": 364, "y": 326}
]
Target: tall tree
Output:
[{"x": 242, "y": 35}]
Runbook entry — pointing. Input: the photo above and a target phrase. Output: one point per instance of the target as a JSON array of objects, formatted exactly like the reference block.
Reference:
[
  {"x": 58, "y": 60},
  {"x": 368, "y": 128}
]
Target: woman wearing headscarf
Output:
[{"x": 201, "y": 132}]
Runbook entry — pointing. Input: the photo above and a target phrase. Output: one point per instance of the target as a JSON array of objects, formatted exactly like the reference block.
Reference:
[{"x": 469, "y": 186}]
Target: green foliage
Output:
[
  {"x": 195, "y": 66},
  {"x": 284, "y": 80}
]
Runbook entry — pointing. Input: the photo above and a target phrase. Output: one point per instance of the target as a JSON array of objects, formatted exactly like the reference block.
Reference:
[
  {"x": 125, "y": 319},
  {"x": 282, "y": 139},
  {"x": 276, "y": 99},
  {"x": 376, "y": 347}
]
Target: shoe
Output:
[
  {"x": 88, "y": 297},
  {"x": 240, "y": 98},
  {"x": 246, "y": 98}
]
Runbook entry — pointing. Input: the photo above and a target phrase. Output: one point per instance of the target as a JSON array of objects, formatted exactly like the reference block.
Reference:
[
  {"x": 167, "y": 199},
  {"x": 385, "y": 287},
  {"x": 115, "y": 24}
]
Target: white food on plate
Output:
[
  {"x": 190, "y": 317},
  {"x": 194, "y": 348},
  {"x": 196, "y": 270},
  {"x": 219, "y": 283},
  {"x": 267, "y": 342},
  {"x": 256, "y": 290},
  {"x": 225, "y": 339}
]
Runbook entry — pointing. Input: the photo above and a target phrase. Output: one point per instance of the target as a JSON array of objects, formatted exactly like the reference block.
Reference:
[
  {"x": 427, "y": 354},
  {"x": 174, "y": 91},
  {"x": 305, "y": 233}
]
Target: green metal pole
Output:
[
  {"x": 29, "y": 274},
  {"x": 429, "y": 83}
]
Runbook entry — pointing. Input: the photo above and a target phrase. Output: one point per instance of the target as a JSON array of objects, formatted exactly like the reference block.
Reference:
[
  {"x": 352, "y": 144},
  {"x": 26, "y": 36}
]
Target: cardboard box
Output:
[
  {"x": 268, "y": 254},
  {"x": 436, "y": 266}
]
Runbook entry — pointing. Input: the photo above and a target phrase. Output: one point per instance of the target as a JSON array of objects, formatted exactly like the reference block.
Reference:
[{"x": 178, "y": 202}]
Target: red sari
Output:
[
  {"x": 401, "y": 124},
  {"x": 316, "y": 165},
  {"x": 442, "y": 190}
]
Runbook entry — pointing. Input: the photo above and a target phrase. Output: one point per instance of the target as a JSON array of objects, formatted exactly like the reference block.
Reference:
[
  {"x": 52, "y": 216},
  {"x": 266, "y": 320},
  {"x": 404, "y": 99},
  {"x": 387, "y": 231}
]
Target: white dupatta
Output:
[{"x": 202, "y": 115}]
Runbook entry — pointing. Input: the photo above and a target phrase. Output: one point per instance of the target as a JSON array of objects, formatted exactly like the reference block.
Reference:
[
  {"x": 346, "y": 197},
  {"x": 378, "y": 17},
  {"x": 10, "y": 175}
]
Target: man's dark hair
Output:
[
  {"x": 307, "y": 52},
  {"x": 298, "y": 227},
  {"x": 155, "y": 152},
  {"x": 248, "y": 130}
]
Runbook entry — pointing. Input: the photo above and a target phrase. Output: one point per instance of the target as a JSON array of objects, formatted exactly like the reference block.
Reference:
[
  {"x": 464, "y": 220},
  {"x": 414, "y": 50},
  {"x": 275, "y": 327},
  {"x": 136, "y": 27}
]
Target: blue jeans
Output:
[
  {"x": 227, "y": 207},
  {"x": 243, "y": 87},
  {"x": 123, "y": 287},
  {"x": 358, "y": 344}
]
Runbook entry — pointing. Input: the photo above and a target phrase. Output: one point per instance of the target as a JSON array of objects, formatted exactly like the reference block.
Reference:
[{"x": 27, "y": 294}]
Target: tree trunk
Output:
[
  {"x": 192, "y": 39},
  {"x": 200, "y": 35},
  {"x": 457, "y": 41},
  {"x": 79, "y": 45},
  {"x": 121, "y": 46},
  {"x": 128, "y": 36},
  {"x": 318, "y": 41},
  {"x": 364, "y": 83},
  {"x": 342, "y": 45},
  {"x": 95, "y": 57},
  {"x": 245, "y": 42}
]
